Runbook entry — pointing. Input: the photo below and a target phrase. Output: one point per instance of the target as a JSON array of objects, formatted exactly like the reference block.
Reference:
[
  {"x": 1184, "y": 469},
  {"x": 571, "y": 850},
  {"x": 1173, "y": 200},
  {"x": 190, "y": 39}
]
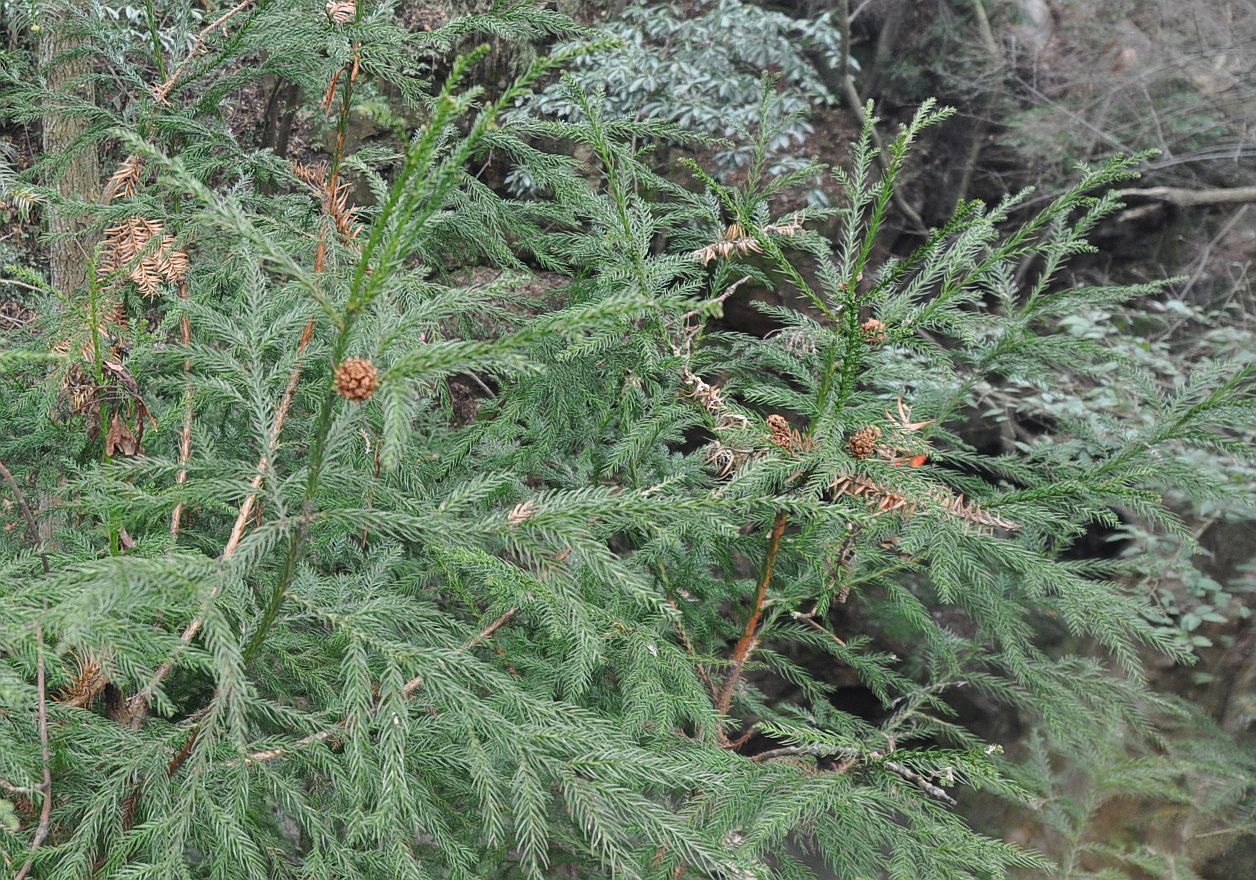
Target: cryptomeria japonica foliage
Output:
[{"x": 364, "y": 522}]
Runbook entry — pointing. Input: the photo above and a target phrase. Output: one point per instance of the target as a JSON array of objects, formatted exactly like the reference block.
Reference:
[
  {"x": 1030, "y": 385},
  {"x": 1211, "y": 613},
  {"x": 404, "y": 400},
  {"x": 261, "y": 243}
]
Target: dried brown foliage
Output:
[
  {"x": 342, "y": 11},
  {"x": 737, "y": 242},
  {"x": 89, "y": 680},
  {"x": 334, "y": 199},
  {"x": 522, "y": 512},
  {"x": 143, "y": 251},
  {"x": 125, "y": 181},
  {"x": 882, "y": 500}
]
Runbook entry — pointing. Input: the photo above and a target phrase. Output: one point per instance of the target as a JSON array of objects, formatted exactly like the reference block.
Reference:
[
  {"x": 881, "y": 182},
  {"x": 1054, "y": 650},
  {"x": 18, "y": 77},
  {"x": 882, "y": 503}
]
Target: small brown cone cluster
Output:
[
  {"x": 786, "y": 437},
  {"x": 864, "y": 441},
  {"x": 356, "y": 379},
  {"x": 781, "y": 434},
  {"x": 873, "y": 331}
]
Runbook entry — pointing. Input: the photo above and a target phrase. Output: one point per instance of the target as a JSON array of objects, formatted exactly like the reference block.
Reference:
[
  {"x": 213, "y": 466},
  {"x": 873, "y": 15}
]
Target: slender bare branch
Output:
[
  {"x": 32, "y": 527},
  {"x": 415, "y": 683},
  {"x": 853, "y": 755},
  {"x": 18, "y": 790},
  {"x": 162, "y": 92},
  {"x": 185, "y": 437},
  {"x": 912, "y": 776},
  {"x": 45, "y": 814},
  {"x": 810, "y": 620}
]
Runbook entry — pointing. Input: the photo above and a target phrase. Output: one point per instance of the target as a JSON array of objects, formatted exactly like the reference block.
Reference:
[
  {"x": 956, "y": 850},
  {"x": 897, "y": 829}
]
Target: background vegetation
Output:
[{"x": 452, "y": 440}]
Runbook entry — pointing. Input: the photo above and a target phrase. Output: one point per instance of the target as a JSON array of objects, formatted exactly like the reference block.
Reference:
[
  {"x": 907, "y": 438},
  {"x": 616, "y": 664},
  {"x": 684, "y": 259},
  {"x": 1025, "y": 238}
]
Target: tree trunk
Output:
[
  {"x": 72, "y": 243},
  {"x": 894, "y": 15}
]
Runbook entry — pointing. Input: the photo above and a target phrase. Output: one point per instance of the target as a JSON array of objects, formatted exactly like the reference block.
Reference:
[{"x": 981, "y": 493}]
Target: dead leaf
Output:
[{"x": 120, "y": 440}]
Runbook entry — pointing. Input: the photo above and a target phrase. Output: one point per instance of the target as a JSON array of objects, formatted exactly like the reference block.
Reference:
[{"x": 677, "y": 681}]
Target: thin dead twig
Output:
[
  {"x": 1193, "y": 198},
  {"x": 849, "y": 756},
  {"x": 810, "y": 620},
  {"x": 925, "y": 785},
  {"x": 32, "y": 527},
  {"x": 18, "y": 790},
  {"x": 45, "y": 813},
  {"x": 415, "y": 683},
  {"x": 162, "y": 92},
  {"x": 185, "y": 436}
]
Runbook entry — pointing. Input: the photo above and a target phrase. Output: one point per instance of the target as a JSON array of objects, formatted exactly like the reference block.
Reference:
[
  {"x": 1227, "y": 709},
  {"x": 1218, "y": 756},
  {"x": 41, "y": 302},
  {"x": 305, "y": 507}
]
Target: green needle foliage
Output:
[{"x": 550, "y": 602}]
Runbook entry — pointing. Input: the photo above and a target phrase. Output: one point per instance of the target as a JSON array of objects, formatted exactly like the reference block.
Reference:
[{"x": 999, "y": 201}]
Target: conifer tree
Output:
[{"x": 364, "y": 522}]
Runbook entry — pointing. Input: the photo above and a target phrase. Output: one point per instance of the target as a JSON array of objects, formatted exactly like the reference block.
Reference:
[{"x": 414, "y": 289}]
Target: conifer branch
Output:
[
  {"x": 138, "y": 704},
  {"x": 332, "y": 196},
  {"x": 748, "y": 641},
  {"x": 407, "y": 691},
  {"x": 411, "y": 206}
]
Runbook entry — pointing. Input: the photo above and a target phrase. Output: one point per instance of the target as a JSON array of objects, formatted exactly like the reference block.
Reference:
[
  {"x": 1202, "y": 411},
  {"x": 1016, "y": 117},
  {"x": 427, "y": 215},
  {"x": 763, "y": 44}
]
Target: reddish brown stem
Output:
[
  {"x": 185, "y": 438},
  {"x": 184, "y": 753},
  {"x": 746, "y": 644},
  {"x": 342, "y": 128}
]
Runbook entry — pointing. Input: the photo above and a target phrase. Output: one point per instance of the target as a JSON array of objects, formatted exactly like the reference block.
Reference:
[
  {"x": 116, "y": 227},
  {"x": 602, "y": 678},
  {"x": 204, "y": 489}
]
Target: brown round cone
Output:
[
  {"x": 356, "y": 379},
  {"x": 864, "y": 441},
  {"x": 873, "y": 331}
]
